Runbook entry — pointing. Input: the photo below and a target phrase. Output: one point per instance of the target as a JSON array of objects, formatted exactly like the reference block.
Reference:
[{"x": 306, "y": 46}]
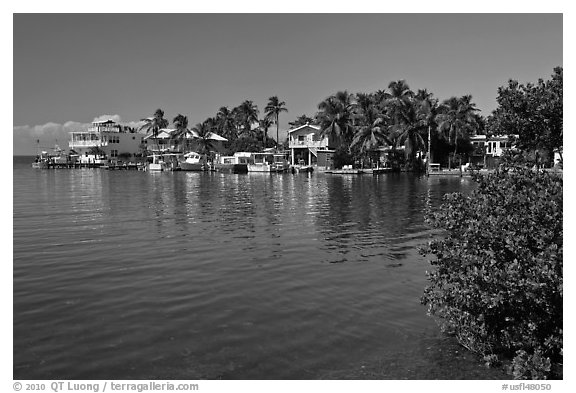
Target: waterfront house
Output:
[
  {"x": 488, "y": 149},
  {"x": 162, "y": 141},
  {"x": 308, "y": 147},
  {"x": 106, "y": 137}
]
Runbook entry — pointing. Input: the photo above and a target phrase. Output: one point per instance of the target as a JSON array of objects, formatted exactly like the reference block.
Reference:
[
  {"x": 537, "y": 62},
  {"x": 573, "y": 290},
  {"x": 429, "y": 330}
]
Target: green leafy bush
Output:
[{"x": 496, "y": 282}]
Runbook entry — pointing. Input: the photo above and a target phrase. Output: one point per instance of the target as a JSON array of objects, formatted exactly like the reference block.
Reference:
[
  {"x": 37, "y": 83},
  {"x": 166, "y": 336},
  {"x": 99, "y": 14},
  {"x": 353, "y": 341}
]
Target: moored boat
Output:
[
  {"x": 158, "y": 164},
  {"x": 193, "y": 161},
  {"x": 40, "y": 163},
  {"x": 56, "y": 159}
]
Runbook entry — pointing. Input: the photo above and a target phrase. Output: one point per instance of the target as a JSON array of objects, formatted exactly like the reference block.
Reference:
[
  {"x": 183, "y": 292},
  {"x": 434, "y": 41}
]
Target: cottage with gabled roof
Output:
[{"x": 308, "y": 147}]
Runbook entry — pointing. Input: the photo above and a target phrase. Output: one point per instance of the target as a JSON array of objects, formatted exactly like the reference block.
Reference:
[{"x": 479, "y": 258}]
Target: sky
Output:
[{"x": 69, "y": 69}]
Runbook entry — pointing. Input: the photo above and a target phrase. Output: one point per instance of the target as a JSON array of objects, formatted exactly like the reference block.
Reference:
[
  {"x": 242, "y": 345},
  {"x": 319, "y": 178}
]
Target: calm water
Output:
[{"x": 130, "y": 275}]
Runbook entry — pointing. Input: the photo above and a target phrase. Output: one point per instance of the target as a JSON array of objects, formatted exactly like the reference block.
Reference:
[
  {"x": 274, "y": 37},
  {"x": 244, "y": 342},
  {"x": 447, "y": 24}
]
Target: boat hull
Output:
[
  {"x": 156, "y": 167},
  {"x": 187, "y": 166}
]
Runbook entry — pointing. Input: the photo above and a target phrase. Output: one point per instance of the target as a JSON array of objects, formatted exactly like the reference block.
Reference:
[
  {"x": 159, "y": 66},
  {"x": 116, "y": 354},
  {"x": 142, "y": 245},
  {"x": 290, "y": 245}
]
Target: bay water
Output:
[{"x": 189, "y": 275}]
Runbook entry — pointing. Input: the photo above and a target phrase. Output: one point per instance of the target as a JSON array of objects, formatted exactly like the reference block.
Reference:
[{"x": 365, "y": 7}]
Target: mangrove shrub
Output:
[{"x": 496, "y": 282}]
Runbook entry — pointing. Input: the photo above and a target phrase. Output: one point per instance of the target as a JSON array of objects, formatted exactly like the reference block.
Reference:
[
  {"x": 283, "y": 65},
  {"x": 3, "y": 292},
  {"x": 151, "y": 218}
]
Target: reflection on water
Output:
[{"x": 205, "y": 275}]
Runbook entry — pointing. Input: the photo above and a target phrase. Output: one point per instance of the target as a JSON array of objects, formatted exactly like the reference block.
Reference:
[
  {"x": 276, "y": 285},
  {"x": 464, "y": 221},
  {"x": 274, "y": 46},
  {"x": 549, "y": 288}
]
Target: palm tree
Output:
[
  {"x": 273, "y": 110},
  {"x": 328, "y": 116},
  {"x": 226, "y": 124},
  {"x": 380, "y": 98},
  {"x": 364, "y": 103},
  {"x": 263, "y": 126},
  {"x": 153, "y": 124},
  {"x": 372, "y": 132},
  {"x": 407, "y": 130},
  {"x": 458, "y": 119},
  {"x": 247, "y": 114},
  {"x": 399, "y": 98},
  {"x": 181, "y": 124},
  {"x": 204, "y": 133},
  {"x": 335, "y": 118}
]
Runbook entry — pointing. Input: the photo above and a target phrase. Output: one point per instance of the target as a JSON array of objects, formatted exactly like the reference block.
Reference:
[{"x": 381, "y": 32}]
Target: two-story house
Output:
[
  {"x": 107, "y": 136},
  {"x": 308, "y": 147},
  {"x": 487, "y": 150}
]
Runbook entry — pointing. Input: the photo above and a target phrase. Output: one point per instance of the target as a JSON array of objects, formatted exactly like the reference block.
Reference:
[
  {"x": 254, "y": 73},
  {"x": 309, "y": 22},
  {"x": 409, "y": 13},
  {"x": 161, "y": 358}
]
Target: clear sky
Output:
[{"x": 69, "y": 69}]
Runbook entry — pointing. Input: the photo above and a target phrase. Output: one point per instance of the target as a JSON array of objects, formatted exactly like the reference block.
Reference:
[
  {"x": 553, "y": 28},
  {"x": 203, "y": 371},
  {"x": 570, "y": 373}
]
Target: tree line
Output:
[
  {"x": 404, "y": 121},
  {"x": 241, "y": 126}
]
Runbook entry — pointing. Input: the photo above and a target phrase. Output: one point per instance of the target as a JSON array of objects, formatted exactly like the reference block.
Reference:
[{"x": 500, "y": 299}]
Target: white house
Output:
[
  {"x": 106, "y": 135},
  {"x": 493, "y": 146},
  {"x": 305, "y": 143}
]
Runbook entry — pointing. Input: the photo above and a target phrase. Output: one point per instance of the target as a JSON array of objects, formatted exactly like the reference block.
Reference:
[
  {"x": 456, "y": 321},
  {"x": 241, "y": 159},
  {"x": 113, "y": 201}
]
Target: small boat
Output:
[
  {"x": 158, "y": 164},
  {"x": 57, "y": 159},
  {"x": 193, "y": 161},
  {"x": 42, "y": 158},
  {"x": 40, "y": 162}
]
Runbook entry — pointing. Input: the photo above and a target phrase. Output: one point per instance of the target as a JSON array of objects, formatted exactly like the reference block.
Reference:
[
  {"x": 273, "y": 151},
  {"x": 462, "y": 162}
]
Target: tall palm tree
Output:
[
  {"x": 329, "y": 116},
  {"x": 247, "y": 113},
  {"x": 181, "y": 133},
  {"x": 335, "y": 118},
  {"x": 399, "y": 98},
  {"x": 273, "y": 110},
  {"x": 263, "y": 126},
  {"x": 153, "y": 124},
  {"x": 458, "y": 119},
  {"x": 380, "y": 97},
  {"x": 372, "y": 132},
  {"x": 226, "y": 124},
  {"x": 364, "y": 103},
  {"x": 203, "y": 141},
  {"x": 407, "y": 129},
  {"x": 212, "y": 124},
  {"x": 346, "y": 101}
]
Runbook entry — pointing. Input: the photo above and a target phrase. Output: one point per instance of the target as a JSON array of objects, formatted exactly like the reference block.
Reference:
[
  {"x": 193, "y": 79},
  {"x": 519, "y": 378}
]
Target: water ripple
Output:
[{"x": 137, "y": 275}]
